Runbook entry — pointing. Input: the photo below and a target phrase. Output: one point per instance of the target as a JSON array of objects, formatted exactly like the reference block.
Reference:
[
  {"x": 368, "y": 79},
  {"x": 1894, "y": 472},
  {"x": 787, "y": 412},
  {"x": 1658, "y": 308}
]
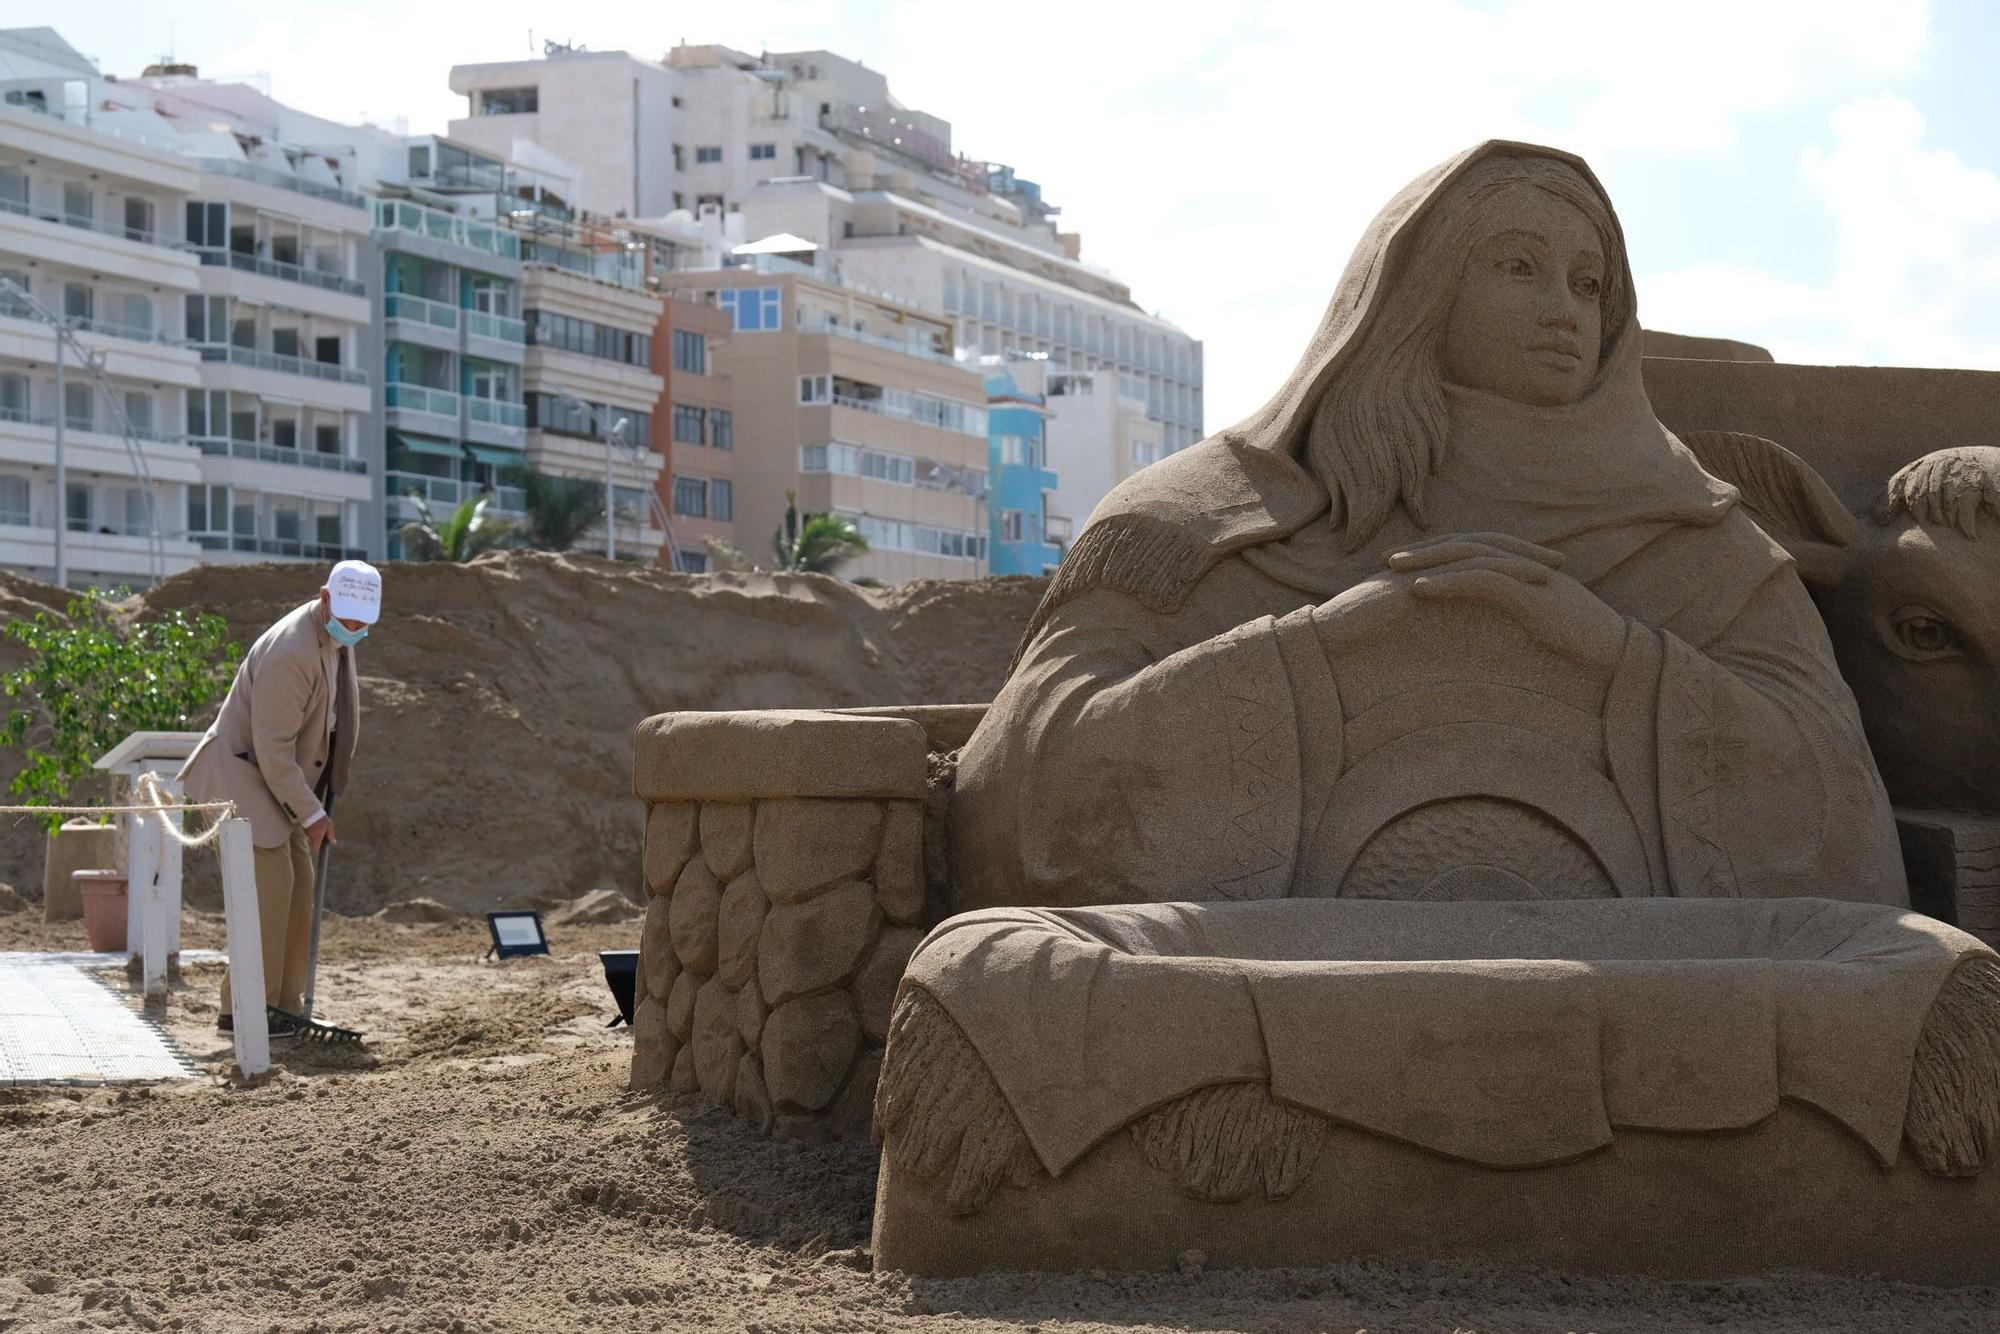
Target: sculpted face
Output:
[{"x": 1527, "y": 323}]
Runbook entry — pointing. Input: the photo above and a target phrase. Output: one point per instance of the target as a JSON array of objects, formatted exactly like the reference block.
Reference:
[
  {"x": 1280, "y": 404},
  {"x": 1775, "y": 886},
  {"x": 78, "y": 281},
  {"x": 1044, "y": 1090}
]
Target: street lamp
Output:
[{"x": 613, "y": 437}]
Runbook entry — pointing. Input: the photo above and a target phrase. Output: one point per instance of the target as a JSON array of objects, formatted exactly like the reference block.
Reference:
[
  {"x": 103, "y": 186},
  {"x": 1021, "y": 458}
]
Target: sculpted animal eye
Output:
[{"x": 1922, "y": 633}]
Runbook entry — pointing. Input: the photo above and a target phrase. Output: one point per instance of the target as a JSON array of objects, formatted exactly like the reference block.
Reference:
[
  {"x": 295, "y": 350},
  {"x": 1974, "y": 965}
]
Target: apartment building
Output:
[
  {"x": 856, "y": 403},
  {"x": 694, "y": 431},
  {"x": 1024, "y": 537},
  {"x": 281, "y": 321},
  {"x": 1106, "y": 435},
  {"x": 814, "y": 145}
]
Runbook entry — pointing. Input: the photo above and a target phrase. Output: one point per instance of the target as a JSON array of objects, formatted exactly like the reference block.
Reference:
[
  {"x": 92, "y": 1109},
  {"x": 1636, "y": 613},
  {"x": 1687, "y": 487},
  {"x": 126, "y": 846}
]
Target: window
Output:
[
  {"x": 207, "y": 413},
  {"x": 138, "y": 218},
  {"x": 546, "y": 412},
  {"x": 721, "y": 500},
  {"x": 207, "y": 319},
  {"x": 77, "y": 203},
  {"x": 13, "y": 395},
  {"x": 680, "y": 163},
  {"x": 77, "y": 404},
  {"x": 691, "y": 497},
  {"x": 508, "y": 101},
  {"x": 708, "y": 153},
  {"x": 690, "y": 352},
  {"x": 14, "y": 500},
  {"x": 326, "y": 437},
  {"x": 694, "y": 562},
  {"x": 1013, "y": 450},
  {"x": 14, "y": 186},
  {"x": 752, "y": 308},
  {"x": 77, "y": 507},
  {"x": 139, "y": 409},
  {"x": 688, "y": 422},
  {"x": 721, "y": 428},
  {"x": 588, "y": 338},
  {"x": 815, "y": 389},
  {"x": 1011, "y": 525},
  {"x": 327, "y": 528},
  {"x": 78, "y": 301},
  {"x": 763, "y": 152},
  {"x": 138, "y": 314},
  {"x": 207, "y": 224}
]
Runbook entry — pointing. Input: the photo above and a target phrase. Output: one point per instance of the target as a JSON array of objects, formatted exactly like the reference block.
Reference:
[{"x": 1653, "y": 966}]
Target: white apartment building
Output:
[{"x": 209, "y": 269}]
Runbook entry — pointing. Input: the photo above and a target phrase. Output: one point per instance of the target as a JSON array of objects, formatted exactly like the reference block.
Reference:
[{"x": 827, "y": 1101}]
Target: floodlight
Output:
[
  {"x": 516, "y": 933},
  {"x": 621, "y": 973}
]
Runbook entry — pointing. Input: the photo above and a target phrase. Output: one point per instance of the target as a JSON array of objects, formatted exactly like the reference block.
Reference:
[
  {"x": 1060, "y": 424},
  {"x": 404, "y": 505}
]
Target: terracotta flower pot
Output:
[{"x": 103, "y": 895}]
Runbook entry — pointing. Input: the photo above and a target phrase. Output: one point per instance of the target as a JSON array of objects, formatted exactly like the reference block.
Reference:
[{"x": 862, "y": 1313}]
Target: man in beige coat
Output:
[{"x": 280, "y": 749}]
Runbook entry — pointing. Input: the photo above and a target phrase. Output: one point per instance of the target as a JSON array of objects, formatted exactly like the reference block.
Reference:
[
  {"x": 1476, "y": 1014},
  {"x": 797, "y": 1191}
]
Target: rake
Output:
[{"x": 304, "y": 1025}]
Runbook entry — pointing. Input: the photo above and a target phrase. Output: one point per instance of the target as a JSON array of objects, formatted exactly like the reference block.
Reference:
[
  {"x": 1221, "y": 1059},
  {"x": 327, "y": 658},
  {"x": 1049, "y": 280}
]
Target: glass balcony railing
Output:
[
  {"x": 283, "y": 180},
  {"x": 107, "y": 226},
  {"x": 420, "y": 398},
  {"x": 275, "y": 546},
  {"x": 218, "y": 447},
  {"x": 79, "y": 422},
  {"x": 497, "y": 411},
  {"x": 927, "y": 351},
  {"x": 220, "y": 257},
  {"x": 500, "y": 327},
  {"x": 443, "y": 493},
  {"x": 273, "y": 361},
  {"x": 420, "y": 309},
  {"x": 399, "y": 215}
]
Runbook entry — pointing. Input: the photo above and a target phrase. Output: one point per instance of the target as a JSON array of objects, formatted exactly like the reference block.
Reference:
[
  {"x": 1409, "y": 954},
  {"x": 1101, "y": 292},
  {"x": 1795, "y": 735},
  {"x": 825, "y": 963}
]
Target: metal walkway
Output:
[{"x": 60, "y": 1025}]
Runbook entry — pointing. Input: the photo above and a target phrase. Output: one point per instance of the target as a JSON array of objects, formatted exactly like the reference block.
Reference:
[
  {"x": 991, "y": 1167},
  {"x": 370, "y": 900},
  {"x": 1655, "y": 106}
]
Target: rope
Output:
[{"x": 157, "y": 803}]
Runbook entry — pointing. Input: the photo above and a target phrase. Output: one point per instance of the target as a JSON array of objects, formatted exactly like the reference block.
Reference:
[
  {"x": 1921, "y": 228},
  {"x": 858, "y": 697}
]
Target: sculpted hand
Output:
[{"x": 1520, "y": 579}]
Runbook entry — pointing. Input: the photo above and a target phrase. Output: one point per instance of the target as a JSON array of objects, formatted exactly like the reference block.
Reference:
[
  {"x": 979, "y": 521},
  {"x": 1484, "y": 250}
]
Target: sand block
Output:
[
  {"x": 1680, "y": 1087},
  {"x": 725, "y": 837},
  {"x": 738, "y": 924},
  {"x": 692, "y": 917},
  {"x": 670, "y": 841},
  {"x": 717, "y": 1048},
  {"x": 899, "y": 868},
  {"x": 804, "y": 846},
  {"x": 808, "y": 1049},
  {"x": 742, "y": 756},
  {"x": 808, "y": 947},
  {"x": 1953, "y": 861}
]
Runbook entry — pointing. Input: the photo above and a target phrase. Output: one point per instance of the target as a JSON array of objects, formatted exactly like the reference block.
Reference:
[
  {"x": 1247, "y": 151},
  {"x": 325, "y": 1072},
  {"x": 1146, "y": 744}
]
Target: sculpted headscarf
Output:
[{"x": 1601, "y": 464}]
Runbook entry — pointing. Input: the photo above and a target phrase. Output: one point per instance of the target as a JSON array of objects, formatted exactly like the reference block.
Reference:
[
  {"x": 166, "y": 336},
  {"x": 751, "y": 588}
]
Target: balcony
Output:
[
  {"x": 448, "y": 493},
  {"x": 420, "y": 310},
  {"x": 880, "y": 340},
  {"x": 217, "y": 447},
  {"x": 72, "y": 422},
  {"x": 420, "y": 398},
  {"x": 218, "y": 257},
  {"x": 104, "y": 226},
  {"x": 500, "y": 328},
  {"x": 283, "y": 180},
  {"x": 272, "y": 361},
  {"x": 496, "y": 411},
  {"x": 275, "y": 546},
  {"x": 397, "y": 215}
]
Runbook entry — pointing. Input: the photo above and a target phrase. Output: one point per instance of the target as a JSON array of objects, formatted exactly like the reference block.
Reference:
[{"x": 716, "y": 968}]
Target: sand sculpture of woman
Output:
[{"x": 1453, "y": 616}]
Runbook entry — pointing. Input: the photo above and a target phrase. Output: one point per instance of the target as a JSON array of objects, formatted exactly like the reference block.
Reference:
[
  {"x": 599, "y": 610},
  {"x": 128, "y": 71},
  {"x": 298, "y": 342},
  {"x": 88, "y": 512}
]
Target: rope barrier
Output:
[{"x": 157, "y": 803}]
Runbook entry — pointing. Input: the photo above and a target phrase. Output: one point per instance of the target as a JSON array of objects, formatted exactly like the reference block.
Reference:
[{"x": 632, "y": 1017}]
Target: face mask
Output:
[{"x": 343, "y": 636}]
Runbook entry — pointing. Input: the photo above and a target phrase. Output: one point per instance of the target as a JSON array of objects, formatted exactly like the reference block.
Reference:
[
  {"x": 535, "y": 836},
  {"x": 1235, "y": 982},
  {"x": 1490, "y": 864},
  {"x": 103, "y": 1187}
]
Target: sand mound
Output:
[{"x": 499, "y": 700}]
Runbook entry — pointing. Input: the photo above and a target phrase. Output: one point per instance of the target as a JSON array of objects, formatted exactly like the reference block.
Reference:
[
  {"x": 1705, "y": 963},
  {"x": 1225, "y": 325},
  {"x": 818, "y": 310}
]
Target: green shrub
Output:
[{"x": 92, "y": 680}]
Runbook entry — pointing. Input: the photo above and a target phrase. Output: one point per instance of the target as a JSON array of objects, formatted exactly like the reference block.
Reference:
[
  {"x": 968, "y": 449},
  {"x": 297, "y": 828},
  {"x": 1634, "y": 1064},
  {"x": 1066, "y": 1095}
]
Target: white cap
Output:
[{"x": 356, "y": 588}]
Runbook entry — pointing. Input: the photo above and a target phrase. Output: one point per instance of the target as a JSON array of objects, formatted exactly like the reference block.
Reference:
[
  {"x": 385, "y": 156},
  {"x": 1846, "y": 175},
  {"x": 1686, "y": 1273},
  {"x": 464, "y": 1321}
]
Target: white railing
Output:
[
  {"x": 273, "y": 361},
  {"x": 220, "y": 256},
  {"x": 266, "y": 176},
  {"x": 91, "y": 223},
  {"x": 218, "y": 446}
]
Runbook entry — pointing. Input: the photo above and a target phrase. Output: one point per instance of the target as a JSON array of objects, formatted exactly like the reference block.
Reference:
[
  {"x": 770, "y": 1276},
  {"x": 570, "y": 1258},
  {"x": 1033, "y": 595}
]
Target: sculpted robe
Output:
[{"x": 1175, "y": 730}]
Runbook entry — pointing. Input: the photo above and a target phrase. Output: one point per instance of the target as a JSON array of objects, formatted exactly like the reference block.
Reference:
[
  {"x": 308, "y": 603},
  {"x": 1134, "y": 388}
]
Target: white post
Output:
[
  {"x": 62, "y": 475},
  {"x": 246, "y": 948},
  {"x": 170, "y": 877},
  {"x": 610, "y": 494},
  {"x": 141, "y": 863}
]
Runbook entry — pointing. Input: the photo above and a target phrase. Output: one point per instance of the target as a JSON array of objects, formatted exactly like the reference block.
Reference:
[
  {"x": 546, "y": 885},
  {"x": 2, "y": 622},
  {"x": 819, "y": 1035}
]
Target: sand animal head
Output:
[{"x": 1911, "y": 597}]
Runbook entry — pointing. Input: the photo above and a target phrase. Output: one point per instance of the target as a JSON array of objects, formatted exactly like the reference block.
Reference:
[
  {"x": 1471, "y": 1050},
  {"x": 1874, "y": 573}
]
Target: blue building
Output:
[{"x": 1019, "y": 479}]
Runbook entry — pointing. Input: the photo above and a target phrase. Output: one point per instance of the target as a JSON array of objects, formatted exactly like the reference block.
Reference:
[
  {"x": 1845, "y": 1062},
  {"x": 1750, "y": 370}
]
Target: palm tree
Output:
[
  {"x": 560, "y": 509},
  {"x": 818, "y": 543},
  {"x": 469, "y": 532}
]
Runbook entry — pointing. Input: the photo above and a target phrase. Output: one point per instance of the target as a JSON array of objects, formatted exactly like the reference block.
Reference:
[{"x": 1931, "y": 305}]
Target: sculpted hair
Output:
[
  {"x": 1948, "y": 487},
  {"x": 1381, "y": 428}
]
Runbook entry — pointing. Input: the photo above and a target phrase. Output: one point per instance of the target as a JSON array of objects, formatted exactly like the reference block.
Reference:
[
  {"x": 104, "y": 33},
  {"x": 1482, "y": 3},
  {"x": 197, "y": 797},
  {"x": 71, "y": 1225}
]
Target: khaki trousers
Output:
[{"x": 284, "y": 920}]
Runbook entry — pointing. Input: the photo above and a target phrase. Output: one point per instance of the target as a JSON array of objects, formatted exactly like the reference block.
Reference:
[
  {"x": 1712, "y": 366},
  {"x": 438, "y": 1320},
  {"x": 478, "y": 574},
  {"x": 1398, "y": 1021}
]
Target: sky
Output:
[{"x": 1818, "y": 177}]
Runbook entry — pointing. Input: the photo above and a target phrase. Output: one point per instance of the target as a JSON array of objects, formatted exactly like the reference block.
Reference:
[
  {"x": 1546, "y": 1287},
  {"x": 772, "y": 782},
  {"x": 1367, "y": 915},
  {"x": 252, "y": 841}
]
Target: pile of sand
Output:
[{"x": 499, "y": 698}]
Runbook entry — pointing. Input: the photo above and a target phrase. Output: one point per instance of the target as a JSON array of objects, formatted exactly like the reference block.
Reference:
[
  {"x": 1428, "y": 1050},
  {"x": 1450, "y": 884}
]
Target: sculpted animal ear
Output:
[{"x": 1784, "y": 495}]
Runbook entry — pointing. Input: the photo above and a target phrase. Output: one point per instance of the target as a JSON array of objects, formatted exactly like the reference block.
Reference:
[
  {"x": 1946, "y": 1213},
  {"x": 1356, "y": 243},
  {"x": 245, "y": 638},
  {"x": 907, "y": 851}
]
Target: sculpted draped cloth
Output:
[{"x": 1174, "y": 728}]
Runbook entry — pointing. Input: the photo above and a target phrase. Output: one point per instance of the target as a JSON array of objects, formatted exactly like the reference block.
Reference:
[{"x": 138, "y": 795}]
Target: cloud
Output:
[{"x": 1914, "y": 273}]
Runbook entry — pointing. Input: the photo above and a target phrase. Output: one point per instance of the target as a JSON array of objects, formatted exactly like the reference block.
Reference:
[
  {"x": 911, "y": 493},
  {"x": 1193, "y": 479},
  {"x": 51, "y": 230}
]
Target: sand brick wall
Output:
[{"x": 785, "y": 863}]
